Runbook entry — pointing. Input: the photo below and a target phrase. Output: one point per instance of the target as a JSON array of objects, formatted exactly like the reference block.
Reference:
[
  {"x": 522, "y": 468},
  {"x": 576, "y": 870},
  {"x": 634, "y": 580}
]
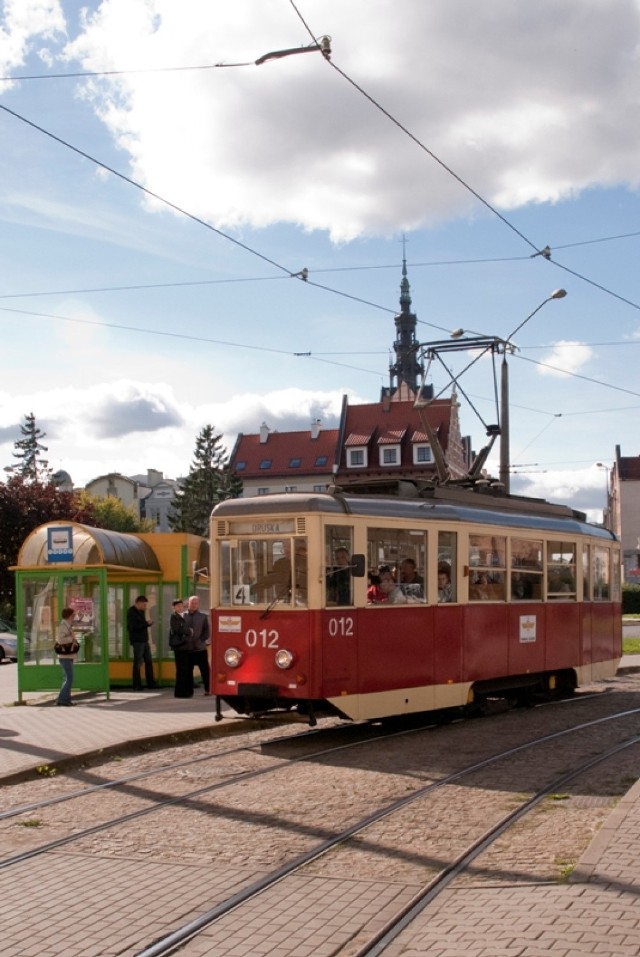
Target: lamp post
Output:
[
  {"x": 605, "y": 510},
  {"x": 505, "y": 346}
]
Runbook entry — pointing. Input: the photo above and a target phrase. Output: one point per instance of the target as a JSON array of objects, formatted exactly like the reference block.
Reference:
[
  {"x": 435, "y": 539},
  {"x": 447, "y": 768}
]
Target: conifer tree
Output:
[
  {"x": 32, "y": 467},
  {"x": 209, "y": 481}
]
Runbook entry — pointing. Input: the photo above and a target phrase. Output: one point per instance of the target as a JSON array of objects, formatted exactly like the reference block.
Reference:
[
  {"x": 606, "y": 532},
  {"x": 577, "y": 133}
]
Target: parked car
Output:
[{"x": 8, "y": 642}]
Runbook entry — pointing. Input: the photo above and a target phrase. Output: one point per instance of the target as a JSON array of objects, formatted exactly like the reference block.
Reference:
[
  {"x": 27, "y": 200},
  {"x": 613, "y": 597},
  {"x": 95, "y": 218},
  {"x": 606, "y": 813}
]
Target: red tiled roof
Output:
[
  {"x": 388, "y": 422},
  {"x": 392, "y": 437},
  {"x": 358, "y": 439},
  {"x": 280, "y": 448}
]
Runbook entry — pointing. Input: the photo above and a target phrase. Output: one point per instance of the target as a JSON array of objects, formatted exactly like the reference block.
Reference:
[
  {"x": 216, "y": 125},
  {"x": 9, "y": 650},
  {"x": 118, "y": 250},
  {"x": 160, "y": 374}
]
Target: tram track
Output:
[
  {"x": 432, "y": 719},
  {"x": 187, "y": 797},
  {"x": 157, "y": 801},
  {"x": 426, "y": 894},
  {"x": 212, "y": 848}
]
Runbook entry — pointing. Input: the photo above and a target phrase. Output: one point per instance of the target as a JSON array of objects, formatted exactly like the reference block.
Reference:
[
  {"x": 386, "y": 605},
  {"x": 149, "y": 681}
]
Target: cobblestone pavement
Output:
[{"x": 508, "y": 907}]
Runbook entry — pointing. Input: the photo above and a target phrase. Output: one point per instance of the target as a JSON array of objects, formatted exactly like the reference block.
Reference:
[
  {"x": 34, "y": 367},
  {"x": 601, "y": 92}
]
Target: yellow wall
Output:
[{"x": 167, "y": 546}]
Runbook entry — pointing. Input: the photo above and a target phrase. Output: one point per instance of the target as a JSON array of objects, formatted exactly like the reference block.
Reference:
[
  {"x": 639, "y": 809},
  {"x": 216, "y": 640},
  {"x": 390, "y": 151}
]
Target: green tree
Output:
[
  {"x": 113, "y": 514},
  {"x": 209, "y": 481},
  {"x": 31, "y": 465},
  {"x": 25, "y": 504}
]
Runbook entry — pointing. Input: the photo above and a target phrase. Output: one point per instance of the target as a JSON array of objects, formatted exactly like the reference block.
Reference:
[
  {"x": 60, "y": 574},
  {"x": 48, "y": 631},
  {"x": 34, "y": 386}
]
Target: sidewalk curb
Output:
[{"x": 126, "y": 748}]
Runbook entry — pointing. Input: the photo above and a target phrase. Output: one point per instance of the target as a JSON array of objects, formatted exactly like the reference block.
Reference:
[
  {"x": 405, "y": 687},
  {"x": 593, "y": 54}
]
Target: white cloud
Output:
[
  {"x": 566, "y": 357},
  {"x": 581, "y": 488},
  {"x": 127, "y": 426},
  {"x": 24, "y": 22},
  {"x": 514, "y": 106}
]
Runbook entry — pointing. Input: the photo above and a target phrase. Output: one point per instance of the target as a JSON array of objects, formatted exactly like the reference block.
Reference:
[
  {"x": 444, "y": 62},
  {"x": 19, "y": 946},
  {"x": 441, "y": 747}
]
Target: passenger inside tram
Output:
[
  {"x": 411, "y": 582},
  {"x": 445, "y": 591}
]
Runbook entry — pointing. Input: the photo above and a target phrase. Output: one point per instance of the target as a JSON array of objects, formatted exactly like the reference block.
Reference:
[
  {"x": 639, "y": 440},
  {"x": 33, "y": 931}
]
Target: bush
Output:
[{"x": 630, "y": 599}]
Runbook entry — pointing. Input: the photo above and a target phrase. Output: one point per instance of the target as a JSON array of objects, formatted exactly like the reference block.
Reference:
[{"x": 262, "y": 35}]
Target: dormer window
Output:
[
  {"x": 389, "y": 455},
  {"x": 422, "y": 454},
  {"x": 357, "y": 458},
  {"x": 265, "y": 464}
]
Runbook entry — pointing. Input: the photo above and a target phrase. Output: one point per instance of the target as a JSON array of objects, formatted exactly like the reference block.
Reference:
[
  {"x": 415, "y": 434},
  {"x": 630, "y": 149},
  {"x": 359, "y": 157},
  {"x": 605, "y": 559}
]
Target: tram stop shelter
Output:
[{"x": 99, "y": 573}]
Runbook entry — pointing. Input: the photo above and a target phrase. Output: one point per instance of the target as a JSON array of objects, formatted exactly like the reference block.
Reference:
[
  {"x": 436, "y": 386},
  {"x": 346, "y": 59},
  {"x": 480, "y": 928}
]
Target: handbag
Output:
[
  {"x": 176, "y": 640},
  {"x": 71, "y": 649}
]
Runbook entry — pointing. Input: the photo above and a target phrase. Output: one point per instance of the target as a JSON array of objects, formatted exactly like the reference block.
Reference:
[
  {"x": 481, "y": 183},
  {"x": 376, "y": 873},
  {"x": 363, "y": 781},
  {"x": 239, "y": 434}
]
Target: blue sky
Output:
[{"x": 290, "y": 165}]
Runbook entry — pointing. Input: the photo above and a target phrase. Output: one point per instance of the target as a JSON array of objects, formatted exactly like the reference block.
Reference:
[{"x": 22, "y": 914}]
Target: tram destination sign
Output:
[{"x": 262, "y": 528}]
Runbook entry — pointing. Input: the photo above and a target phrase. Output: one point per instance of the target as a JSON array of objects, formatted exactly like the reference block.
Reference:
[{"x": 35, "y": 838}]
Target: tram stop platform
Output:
[{"x": 595, "y": 912}]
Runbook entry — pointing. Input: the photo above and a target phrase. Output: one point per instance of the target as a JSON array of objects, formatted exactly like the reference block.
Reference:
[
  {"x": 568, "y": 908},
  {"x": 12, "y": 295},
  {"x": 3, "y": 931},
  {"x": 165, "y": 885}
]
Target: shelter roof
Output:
[{"x": 91, "y": 546}]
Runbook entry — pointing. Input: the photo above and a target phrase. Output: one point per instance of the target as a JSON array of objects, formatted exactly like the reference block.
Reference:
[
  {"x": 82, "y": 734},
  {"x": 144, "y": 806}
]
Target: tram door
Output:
[{"x": 338, "y": 621}]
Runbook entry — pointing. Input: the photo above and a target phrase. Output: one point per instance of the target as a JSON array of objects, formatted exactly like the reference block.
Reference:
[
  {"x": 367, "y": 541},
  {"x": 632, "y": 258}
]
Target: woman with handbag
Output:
[{"x": 66, "y": 648}]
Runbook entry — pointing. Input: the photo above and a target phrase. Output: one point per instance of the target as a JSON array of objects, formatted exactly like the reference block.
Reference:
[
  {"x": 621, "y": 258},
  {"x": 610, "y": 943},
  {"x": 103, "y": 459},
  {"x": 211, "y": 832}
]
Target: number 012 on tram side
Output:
[{"x": 367, "y": 607}]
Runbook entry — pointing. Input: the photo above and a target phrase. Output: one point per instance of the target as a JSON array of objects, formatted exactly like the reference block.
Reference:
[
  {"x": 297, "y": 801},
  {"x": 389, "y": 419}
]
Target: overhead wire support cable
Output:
[{"x": 322, "y": 46}]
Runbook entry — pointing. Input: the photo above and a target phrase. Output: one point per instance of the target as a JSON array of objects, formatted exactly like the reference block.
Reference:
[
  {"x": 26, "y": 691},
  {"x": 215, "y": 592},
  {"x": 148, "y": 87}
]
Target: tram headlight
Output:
[
  {"x": 284, "y": 659},
  {"x": 233, "y": 657}
]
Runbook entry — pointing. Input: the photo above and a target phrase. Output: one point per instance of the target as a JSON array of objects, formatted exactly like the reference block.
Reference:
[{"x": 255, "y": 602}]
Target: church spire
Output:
[{"x": 406, "y": 369}]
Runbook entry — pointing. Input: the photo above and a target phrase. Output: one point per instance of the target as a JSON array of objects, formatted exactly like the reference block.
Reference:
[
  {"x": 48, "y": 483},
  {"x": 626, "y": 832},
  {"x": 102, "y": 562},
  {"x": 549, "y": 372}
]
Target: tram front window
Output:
[{"x": 263, "y": 571}]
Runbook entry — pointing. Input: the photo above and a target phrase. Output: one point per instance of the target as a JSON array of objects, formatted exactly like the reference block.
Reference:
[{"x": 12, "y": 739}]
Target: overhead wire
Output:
[
  {"x": 188, "y": 337},
  {"x": 189, "y": 215},
  {"x": 458, "y": 178},
  {"x": 279, "y": 266}
]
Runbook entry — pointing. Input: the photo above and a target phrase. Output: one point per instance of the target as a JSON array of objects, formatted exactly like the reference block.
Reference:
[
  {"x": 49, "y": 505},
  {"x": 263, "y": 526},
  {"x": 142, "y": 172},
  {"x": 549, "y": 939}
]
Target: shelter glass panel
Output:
[
  {"x": 44, "y": 599},
  {"x": 115, "y": 621}
]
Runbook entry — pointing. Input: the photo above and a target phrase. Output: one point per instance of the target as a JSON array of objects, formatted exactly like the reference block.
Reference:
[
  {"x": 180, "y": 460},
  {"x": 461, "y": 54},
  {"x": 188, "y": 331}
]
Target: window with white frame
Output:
[
  {"x": 357, "y": 458},
  {"x": 291, "y": 488},
  {"x": 422, "y": 454},
  {"x": 263, "y": 491},
  {"x": 389, "y": 455}
]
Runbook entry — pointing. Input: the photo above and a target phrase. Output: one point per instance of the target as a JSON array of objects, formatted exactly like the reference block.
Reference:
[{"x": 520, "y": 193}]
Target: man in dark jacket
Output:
[
  {"x": 198, "y": 622},
  {"x": 138, "y": 630},
  {"x": 180, "y": 639}
]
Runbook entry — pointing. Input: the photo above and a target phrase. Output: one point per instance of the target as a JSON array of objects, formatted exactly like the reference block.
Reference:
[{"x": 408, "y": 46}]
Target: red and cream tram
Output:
[{"x": 367, "y": 607}]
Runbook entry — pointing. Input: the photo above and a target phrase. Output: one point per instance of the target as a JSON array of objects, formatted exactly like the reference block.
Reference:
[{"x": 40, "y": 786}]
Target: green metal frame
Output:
[{"x": 87, "y": 676}]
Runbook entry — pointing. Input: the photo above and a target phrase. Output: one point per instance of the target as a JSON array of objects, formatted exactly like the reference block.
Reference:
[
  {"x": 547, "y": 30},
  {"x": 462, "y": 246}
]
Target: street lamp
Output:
[{"x": 504, "y": 346}]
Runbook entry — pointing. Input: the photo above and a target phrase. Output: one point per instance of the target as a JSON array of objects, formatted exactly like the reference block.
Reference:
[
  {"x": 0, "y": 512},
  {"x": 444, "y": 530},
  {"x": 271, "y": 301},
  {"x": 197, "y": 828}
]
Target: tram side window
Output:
[
  {"x": 601, "y": 573},
  {"x": 338, "y": 551},
  {"x": 487, "y": 567},
  {"x": 616, "y": 576},
  {"x": 447, "y": 564},
  {"x": 398, "y": 557},
  {"x": 586, "y": 580},
  {"x": 526, "y": 570},
  {"x": 561, "y": 571}
]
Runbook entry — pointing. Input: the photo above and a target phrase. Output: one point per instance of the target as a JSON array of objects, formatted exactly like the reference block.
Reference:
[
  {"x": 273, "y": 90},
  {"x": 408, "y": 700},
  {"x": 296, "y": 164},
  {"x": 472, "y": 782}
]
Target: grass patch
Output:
[
  {"x": 30, "y": 822},
  {"x": 631, "y": 646}
]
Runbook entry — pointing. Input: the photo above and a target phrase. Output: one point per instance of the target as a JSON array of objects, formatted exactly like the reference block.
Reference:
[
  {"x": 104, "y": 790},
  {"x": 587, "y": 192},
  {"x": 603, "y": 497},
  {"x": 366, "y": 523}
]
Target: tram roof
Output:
[{"x": 442, "y": 504}]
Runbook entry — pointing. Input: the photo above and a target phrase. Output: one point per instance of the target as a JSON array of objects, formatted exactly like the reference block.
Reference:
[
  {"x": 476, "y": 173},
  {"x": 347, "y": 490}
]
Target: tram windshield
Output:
[{"x": 263, "y": 571}]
